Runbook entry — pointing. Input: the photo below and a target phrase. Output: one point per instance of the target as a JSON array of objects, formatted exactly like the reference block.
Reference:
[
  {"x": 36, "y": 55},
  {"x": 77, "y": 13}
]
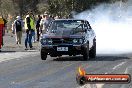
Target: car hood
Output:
[{"x": 63, "y": 33}]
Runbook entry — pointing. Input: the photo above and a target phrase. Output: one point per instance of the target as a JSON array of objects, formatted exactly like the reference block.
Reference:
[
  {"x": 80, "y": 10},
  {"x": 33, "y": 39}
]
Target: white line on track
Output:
[
  {"x": 126, "y": 71},
  {"x": 117, "y": 66}
]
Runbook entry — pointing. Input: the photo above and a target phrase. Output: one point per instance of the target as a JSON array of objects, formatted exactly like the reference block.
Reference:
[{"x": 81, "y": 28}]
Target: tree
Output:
[
  {"x": 7, "y": 7},
  {"x": 25, "y": 6},
  {"x": 65, "y": 7},
  {"x": 42, "y": 7}
]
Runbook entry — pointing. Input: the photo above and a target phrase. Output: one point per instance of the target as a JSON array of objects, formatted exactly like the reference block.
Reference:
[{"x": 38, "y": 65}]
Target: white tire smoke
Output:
[{"x": 113, "y": 26}]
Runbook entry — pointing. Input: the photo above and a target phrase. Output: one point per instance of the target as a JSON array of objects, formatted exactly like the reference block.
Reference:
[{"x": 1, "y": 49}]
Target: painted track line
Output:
[{"x": 117, "y": 66}]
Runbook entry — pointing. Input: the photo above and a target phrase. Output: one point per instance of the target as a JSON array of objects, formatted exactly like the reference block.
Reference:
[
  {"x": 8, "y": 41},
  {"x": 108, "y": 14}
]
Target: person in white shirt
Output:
[{"x": 17, "y": 29}]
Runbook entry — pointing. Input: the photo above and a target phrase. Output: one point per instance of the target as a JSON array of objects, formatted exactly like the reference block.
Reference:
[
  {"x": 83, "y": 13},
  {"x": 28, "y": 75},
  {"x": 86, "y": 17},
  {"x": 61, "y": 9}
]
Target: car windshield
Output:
[{"x": 66, "y": 25}]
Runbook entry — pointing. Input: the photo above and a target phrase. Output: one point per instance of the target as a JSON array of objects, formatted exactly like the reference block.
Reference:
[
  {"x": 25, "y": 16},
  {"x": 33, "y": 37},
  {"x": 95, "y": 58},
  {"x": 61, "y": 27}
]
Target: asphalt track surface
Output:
[{"x": 29, "y": 71}]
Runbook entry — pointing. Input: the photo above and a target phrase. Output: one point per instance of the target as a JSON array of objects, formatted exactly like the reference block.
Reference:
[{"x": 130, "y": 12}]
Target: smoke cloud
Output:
[{"x": 113, "y": 26}]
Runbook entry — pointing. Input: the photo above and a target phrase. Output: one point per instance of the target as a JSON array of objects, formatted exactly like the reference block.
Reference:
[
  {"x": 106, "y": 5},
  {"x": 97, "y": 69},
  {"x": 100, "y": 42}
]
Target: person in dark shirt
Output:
[
  {"x": 38, "y": 27},
  {"x": 17, "y": 29},
  {"x": 28, "y": 32}
]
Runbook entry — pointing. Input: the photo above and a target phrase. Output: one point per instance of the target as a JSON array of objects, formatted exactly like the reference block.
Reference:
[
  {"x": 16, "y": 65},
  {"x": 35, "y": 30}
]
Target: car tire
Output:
[
  {"x": 86, "y": 53},
  {"x": 43, "y": 55},
  {"x": 92, "y": 52}
]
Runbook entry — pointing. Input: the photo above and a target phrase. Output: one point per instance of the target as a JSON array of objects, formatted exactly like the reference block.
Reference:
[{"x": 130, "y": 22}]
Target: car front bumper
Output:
[{"x": 72, "y": 49}]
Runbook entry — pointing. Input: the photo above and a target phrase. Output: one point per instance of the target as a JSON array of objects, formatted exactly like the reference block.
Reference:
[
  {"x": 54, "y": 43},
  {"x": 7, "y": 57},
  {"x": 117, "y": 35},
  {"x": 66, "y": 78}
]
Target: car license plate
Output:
[{"x": 62, "y": 48}]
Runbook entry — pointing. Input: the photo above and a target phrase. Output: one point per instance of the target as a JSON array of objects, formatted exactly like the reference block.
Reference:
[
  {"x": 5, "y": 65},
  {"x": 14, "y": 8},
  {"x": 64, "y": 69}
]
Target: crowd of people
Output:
[{"x": 33, "y": 28}]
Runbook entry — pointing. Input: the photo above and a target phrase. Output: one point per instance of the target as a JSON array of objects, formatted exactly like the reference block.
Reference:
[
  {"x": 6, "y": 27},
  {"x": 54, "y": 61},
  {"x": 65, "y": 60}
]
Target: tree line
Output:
[{"x": 55, "y": 7}]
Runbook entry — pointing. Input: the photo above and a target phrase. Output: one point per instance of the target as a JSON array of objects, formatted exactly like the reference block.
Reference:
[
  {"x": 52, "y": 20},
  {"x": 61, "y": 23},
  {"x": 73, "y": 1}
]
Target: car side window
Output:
[
  {"x": 89, "y": 27},
  {"x": 85, "y": 26}
]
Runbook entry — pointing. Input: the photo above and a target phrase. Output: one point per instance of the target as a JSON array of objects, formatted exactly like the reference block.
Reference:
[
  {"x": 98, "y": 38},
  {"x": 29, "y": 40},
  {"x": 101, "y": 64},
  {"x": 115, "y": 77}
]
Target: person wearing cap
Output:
[{"x": 17, "y": 29}]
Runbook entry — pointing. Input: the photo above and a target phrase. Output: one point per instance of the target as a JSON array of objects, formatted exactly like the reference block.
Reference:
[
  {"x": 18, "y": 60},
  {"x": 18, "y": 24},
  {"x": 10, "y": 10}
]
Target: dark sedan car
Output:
[{"x": 69, "y": 37}]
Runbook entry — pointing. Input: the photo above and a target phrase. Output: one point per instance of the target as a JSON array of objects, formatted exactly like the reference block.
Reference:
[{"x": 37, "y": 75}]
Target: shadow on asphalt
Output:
[
  {"x": 7, "y": 51},
  {"x": 98, "y": 58},
  {"x": 69, "y": 58}
]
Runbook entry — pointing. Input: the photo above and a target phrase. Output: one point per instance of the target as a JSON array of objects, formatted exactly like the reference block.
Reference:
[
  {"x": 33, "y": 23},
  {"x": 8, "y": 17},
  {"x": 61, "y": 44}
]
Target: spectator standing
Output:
[
  {"x": 1, "y": 31},
  {"x": 29, "y": 31},
  {"x": 5, "y": 25},
  {"x": 44, "y": 23},
  {"x": 4, "y": 28},
  {"x": 38, "y": 27},
  {"x": 33, "y": 27},
  {"x": 17, "y": 29}
]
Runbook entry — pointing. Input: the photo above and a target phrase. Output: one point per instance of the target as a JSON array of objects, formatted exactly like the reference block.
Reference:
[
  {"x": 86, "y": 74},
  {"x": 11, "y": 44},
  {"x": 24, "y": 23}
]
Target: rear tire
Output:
[
  {"x": 43, "y": 55},
  {"x": 92, "y": 52},
  {"x": 86, "y": 53}
]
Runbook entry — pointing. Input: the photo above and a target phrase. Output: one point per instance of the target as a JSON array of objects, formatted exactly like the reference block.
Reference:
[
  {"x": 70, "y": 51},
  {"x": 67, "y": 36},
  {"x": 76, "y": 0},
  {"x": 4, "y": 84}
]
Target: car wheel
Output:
[
  {"x": 92, "y": 52},
  {"x": 86, "y": 53},
  {"x": 43, "y": 55}
]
